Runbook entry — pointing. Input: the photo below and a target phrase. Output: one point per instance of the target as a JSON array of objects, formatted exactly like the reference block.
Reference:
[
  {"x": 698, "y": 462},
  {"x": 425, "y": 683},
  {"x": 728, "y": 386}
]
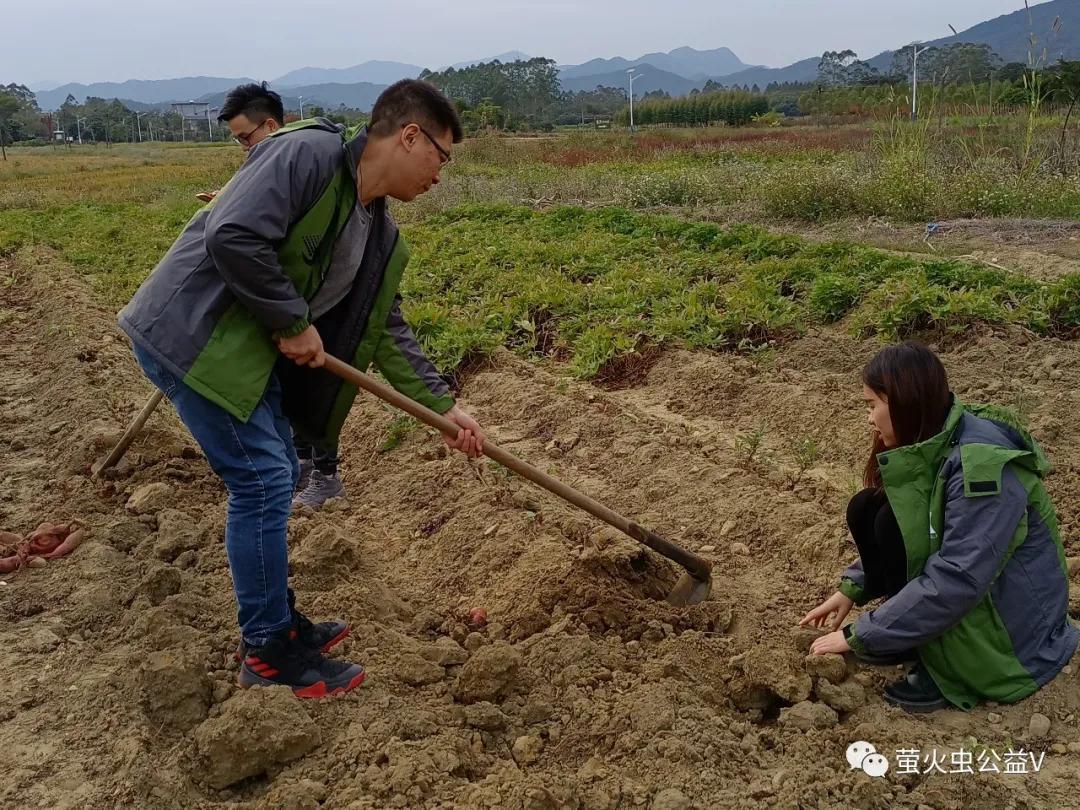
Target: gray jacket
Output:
[{"x": 227, "y": 254}]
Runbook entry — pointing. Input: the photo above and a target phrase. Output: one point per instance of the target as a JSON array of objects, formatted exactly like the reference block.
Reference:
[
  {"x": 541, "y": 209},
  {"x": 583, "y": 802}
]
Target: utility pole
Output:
[
  {"x": 301, "y": 107},
  {"x": 915, "y": 51},
  {"x": 630, "y": 73}
]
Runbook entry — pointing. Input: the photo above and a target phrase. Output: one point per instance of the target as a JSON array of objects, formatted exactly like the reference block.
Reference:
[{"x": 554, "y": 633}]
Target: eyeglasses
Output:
[
  {"x": 245, "y": 140},
  {"x": 445, "y": 155}
]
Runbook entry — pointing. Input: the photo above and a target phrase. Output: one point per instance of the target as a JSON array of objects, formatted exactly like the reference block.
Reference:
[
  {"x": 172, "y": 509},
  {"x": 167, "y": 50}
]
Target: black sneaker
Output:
[
  {"x": 321, "y": 637},
  {"x": 916, "y": 693},
  {"x": 286, "y": 661}
]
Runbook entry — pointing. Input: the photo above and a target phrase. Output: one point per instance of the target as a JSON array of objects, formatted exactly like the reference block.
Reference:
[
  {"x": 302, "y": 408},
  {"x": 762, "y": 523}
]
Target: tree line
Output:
[
  {"x": 735, "y": 108},
  {"x": 523, "y": 95}
]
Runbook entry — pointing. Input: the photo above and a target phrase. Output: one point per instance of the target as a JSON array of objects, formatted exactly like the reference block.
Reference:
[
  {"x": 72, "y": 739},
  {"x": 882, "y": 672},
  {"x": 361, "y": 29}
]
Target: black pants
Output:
[
  {"x": 881, "y": 546},
  {"x": 324, "y": 461}
]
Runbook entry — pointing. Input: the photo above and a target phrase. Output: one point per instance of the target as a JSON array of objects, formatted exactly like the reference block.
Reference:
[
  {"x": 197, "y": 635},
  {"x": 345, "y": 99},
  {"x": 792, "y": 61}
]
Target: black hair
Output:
[
  {"x": 414, "y": 101},
  {"x": 913, "y": 381},
  {"x": 255, "y": 101}
]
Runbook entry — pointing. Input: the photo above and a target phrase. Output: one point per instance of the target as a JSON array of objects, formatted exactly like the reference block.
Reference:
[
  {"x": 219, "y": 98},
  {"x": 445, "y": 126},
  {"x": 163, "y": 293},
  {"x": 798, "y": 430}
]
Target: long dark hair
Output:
[{"x": 913, "y": 381}]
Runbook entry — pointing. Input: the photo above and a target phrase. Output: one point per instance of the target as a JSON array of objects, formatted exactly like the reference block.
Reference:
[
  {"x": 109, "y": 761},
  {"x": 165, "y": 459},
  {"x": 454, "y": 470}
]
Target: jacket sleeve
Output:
[
  {"x": 853, "y": 583},
  {"x": 975, "y": 539},
  {"x": 401, "y": 360},
  {"x": 277, "y": 183}
]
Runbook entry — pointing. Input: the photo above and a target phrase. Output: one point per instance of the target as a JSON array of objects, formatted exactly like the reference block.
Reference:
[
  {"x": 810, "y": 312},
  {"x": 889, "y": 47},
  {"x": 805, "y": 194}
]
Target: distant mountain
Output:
[
  {"x": 146, "y": 91},
  {"x": 142, "y": 106},
  {"x": 686, "y": 62},
  {"x": 1010, "y": 35},
  {"x": 804, "y": 71},
  {"x": 648, "y": 79},
  {"x": 509, "y": 56},
  {"x": 696, "y": 64},
  {"x": 596, "y": 66},
  {"x": 331, "y": 95},
  {"x": 375, "y": 72}
]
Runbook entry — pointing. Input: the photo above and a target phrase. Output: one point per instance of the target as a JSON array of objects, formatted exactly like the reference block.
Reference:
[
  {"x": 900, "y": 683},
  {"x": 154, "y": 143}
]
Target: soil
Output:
[{"x": 582, "y": 689}]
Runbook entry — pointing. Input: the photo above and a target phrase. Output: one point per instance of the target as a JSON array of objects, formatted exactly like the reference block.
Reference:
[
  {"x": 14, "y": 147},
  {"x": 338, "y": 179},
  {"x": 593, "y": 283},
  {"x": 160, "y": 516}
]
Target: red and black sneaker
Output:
[
  {"x": 323, "y": 636},
  {"x": 286, "y": 661}
]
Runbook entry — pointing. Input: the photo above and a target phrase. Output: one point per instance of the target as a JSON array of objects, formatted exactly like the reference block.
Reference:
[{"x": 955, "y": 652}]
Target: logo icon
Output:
[{"x": 862, "y": 756}]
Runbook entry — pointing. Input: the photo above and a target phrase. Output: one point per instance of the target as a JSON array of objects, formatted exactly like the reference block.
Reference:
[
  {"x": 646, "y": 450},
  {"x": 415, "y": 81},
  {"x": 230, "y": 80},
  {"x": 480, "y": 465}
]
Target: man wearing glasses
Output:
[
  {"x": 251, "y": 111},
  {"x": 296, "y": 258}
]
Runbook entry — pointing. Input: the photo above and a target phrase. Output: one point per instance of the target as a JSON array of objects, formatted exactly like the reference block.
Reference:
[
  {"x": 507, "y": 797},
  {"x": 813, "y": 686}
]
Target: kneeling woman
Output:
[{"x": 956, "y": 532}]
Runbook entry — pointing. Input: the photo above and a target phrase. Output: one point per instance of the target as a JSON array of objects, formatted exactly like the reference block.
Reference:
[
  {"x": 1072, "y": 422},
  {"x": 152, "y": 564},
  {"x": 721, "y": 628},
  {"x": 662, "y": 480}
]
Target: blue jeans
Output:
[{"x": 258, "y": 464}]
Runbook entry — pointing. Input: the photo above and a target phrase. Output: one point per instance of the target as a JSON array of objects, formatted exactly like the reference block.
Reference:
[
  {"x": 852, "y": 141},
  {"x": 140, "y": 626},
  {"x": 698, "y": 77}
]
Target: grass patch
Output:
[{"x": 606, "y": 284}]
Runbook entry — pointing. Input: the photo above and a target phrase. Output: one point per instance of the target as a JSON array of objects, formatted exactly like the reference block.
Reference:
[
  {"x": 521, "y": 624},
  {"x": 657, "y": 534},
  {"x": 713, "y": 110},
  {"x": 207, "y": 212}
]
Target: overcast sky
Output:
[{"x": 69, "y": 40}]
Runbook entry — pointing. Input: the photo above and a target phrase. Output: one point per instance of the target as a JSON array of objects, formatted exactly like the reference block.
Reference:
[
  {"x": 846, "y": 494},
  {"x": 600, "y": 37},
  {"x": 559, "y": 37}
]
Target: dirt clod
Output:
[
  {"x": 1039, "y": 725},
  {"x": 151, "y": 498},
  {"x": 489, "y": 674},
  {"x": 257, "y": 729},
  {"x": 527, "y": 749},
  {"x": 162, "y": 582},
  {"x": 844, "y": 697},
  {"x": 174, "y": 688},
  {"x": 418, "y": 671},
  {"x": 807, "y": 715},
  {"x": 177, "y": 532},
  {"x": 832, "y": 668}
]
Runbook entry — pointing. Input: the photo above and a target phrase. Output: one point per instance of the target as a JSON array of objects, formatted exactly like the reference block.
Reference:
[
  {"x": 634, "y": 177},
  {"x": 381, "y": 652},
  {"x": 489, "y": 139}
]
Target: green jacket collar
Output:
[
  {"x": 902, "y": 463},
  {"x": 354, "y": 139}
]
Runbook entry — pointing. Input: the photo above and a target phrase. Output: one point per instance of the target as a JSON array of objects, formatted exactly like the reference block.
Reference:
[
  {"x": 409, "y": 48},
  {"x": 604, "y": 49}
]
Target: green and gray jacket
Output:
[
  {"x": 986, "y": 603},
  {"x": 246, "y": 266}
]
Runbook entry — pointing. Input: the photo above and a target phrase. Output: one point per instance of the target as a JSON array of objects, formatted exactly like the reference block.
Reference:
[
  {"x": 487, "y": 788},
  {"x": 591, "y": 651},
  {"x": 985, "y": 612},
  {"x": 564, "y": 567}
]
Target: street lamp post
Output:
[
  {"x": 78, "y": 127},
  {"x": 630, "y": 73},
  {"x": 301, "y": 107},
  {"x": 915, "y": 51},
  {"x": 138, "y": 121}
]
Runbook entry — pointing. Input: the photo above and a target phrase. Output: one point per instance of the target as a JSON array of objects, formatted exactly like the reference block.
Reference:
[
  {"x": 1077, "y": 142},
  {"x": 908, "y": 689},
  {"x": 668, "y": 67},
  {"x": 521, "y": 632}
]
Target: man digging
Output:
[
  {"x": 253, "y": 112},
  {"x": 296, "y": 257}
]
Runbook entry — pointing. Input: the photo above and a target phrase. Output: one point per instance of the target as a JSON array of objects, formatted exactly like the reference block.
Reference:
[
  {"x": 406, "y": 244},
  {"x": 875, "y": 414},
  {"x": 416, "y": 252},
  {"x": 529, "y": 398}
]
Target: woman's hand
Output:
[
  {"x": 832, "y": 643},
  {"x": 818, "y": 617}
]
